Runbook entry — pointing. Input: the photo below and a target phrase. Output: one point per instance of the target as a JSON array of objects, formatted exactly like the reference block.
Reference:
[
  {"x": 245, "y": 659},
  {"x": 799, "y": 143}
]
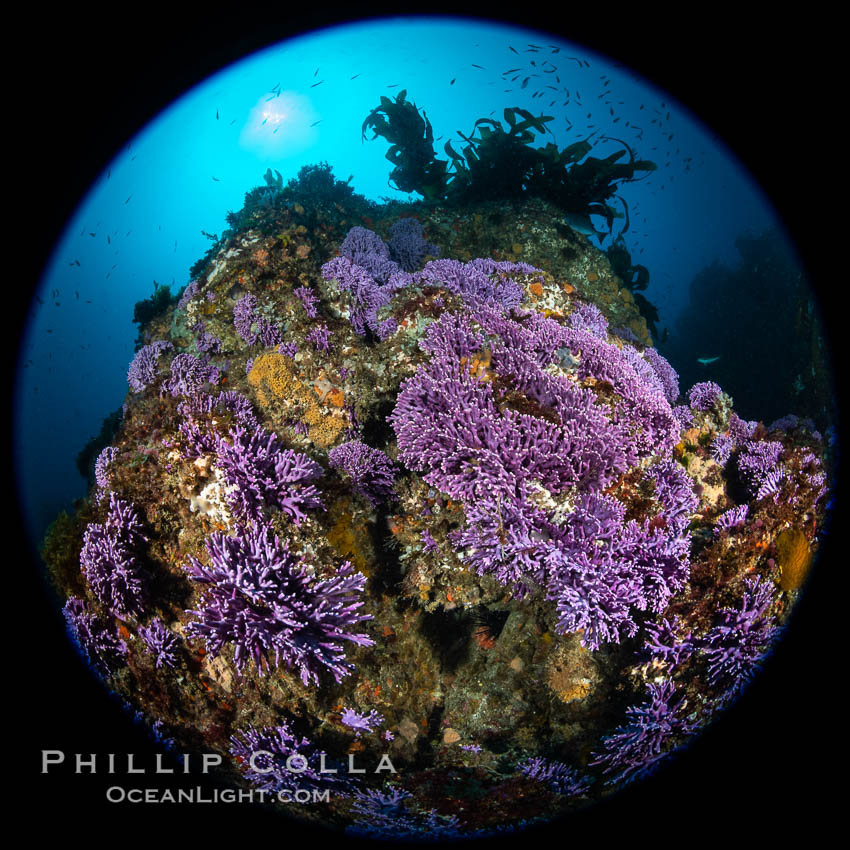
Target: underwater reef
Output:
[{"x": 408, "y": 486}]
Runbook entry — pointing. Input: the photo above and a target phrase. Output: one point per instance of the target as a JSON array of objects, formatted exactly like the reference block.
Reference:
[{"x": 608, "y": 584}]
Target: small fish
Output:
[
  {"x": 316, "y": 123},
  {"x": 453, "y": 81},
  {"x": 216, "y": 115},
  {"x": 706, "y": 360},
  {"x": 315, "y": 73},
  {"x": 316, "y": 84},
  {"x": 478, "y": 66},
  {"x": 513, "y": 50},
  {"x": 128, "y": 200},
  {"x": 354, "y": 77},
  {"x": 216, "y": 180}
]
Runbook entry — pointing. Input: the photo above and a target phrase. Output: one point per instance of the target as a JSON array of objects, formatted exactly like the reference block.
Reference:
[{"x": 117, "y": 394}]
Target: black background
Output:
[{"x": 759, "y": 771}]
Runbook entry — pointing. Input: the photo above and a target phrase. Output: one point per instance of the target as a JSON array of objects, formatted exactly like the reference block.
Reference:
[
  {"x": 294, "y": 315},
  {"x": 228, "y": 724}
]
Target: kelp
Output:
[{"x": 497, "y": 161}]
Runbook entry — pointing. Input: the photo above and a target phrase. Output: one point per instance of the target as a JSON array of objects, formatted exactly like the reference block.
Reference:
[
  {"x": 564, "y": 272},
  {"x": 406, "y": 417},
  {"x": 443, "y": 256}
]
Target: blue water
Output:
[{"x": 303, "y": 102}]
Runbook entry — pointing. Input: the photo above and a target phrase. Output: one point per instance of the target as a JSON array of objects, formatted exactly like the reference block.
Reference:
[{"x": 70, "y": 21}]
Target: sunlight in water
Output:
[{"x": 280, "y": 126}]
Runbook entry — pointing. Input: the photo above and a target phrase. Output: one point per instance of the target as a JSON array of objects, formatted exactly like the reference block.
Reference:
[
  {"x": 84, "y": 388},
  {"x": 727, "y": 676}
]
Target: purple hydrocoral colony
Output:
[
  {"x": 561, "y": 778},
  {"x": 188, "y": 375},
  {"x": 383, "y": 815},
  {"x": 731, "y": 518},
  {"x": 703, "y": 396},
  {"x": 143, "y": 368},
  {"x": 666, "y": 374},
  {"x": 656, "y": 727},
  {"x": 588, "y": 317},
  {"x": 108, "y": 559},
  {"x": 408, "y": 246},
  {"x": 368, "y": 251},
  {"x": 230, "y": 400},
  {"x": 361, "y": 722},
  {"x": 261, "y": 599},
  {"x": 252, "y": 327},
  {"x": 308, "y": 298},
  {"x": 721, "y": 448},
  {"x": 189, "y": 293},
  {"x": 97, "y": 639},
  {"x": 461, "y": 430},
  {"x": 276, "y": 759},
  {"x": 740, "y": 430},
  {"x": 100, "y": 465},
  {"x": 320, "y": 337},
  {"x": 162, "y": 643},
  {"x": 758, "y": 467},
  {"x": 371, "y": 471},
  {"x": 486, "y": 280},
  {"x": 739, "y": 641},
  {"x": 207, "y": 343},
  {"x": 259, "y": 470},
  {"x": 367, "y": 294}
]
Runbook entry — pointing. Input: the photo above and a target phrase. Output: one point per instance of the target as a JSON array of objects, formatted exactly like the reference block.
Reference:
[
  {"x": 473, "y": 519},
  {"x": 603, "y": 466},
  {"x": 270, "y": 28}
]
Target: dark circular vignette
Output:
[{"x": 763, "y": 762}]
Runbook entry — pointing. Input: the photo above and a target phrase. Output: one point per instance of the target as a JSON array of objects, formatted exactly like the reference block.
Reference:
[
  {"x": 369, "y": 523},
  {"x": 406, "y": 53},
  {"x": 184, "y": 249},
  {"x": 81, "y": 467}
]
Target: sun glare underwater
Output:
[{"x": 430, "y": 399}]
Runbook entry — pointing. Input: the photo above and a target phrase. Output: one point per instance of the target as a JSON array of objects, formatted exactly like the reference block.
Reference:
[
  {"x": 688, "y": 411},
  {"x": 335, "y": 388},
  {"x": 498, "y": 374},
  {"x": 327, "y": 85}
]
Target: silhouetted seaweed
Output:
[{"x": 498, "y": 162}]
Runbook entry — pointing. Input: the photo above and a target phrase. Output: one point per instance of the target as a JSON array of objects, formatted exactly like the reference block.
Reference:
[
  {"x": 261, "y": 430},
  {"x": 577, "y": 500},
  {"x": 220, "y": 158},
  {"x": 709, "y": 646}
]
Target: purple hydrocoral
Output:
[
  {"x": 742, "y": 636},
  {"x": 674, "y": 490},
  {"x": 320, "y": 337},
  {"x": 588, "y": 317},
  {"x": 108, "y": 559},
  {"x": 258, "y": 470},
  {"x": 97, "y": 639},
  {"x": 370, "y": 470},
  {"x": 731, "y": 519},
  {"x": 486, "y": 280},
  {"x": 252, "y": 327},
  {"x": 207, "y": 343},
  {"x": 367, "y": 294},
  {"x": 261, "y": 599},
  {"x": 664, "y": 641},
  {"x": 654, "y": 730},
  {"x": 559, "y": 777},
  {"x": 408, "y": 246},
  {"x": 368, "y": 251},
  {"x": 161, "y": 643},
  {"x": 143, "y": 368},
  {"x": 275, "y": 759},
  {"x": 361, "y": 722},
  {"x": 458, "y": 426},
  {"x": 308, "y": 299},
  {"x": 230, "y": 400},
  {"x": 106, "y": 457},
  {"x": 704, "y": 396},
  {"x": 188, "y": 376},
  {"x": 382, "y": 815},
  {"x": 684, "y": 416},
  {"x": 666, "y": 374},
  {"x": 189, "y": 293},
  {"x": 740, "y": 430},
  {"x": 721, "y": 448},
  {"x": 758, "y": 467}
]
